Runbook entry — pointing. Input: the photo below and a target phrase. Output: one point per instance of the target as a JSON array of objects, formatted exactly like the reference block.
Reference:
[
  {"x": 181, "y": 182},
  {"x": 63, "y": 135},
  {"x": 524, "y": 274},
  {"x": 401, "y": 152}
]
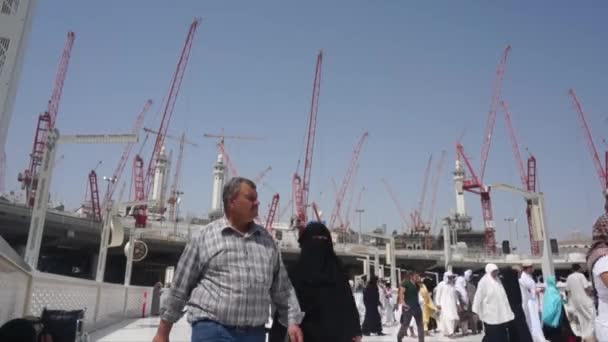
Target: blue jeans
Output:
[{"x": 210, "y": 331}]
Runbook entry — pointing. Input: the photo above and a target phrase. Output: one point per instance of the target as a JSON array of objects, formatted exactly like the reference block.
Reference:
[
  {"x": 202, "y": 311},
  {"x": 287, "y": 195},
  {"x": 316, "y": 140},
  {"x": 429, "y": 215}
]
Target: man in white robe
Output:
[
  {"x": 447, "y": 302},
  {"x": 580, "y": 305},
  {"x": 529, "y": 302}
]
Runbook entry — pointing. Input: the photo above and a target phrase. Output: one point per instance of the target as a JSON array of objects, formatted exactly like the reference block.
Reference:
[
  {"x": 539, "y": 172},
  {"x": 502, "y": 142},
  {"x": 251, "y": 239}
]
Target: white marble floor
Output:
[{"x": 142, "y": 330}]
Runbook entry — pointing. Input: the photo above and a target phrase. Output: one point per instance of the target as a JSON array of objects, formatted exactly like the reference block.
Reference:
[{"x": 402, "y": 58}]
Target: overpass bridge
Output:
[{"x": 70, "y": 246}]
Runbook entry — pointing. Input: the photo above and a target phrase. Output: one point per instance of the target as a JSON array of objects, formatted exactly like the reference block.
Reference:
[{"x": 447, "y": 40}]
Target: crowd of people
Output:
[{"x": 233, "y": 279}]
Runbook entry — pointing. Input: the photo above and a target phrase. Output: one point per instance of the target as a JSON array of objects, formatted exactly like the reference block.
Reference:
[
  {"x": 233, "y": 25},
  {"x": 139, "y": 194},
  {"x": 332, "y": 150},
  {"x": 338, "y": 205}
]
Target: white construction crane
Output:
[{"x": 34, "y": 238}]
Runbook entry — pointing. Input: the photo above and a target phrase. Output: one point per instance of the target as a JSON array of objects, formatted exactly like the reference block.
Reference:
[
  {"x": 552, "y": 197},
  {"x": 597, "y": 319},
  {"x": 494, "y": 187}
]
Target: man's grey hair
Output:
[{"x": 232, "y": 187}]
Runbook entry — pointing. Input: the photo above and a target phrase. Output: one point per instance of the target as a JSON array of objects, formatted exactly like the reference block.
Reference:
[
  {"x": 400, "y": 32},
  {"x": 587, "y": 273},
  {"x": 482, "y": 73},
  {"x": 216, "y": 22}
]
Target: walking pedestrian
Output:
[{"x": 230, "y": 274}]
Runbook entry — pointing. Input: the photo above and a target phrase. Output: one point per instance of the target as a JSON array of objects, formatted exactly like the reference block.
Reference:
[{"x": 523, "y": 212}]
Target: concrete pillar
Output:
[{"x": 377, "y": 263}]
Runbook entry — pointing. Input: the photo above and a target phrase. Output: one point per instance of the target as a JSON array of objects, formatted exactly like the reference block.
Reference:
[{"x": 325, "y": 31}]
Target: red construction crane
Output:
[
  {"x": 602, "y": 171},
  {"x": 139, "y": 212},
  {"x": 301, "y": 186},
  {"x": 95, "y": 207},
  {"x": 170, "y": 105},
  {"x": 46, "y": 121},
  {"x": 347, "y": 180},
  {"x": 528, "y": 179},
  {"x": 397, "y": 204},
  {"x": 232, "y": 172},
  {"x": 272, "y": 212},
  {"x": 139, "y": 121},
  {"x": 475, "y": 184}
]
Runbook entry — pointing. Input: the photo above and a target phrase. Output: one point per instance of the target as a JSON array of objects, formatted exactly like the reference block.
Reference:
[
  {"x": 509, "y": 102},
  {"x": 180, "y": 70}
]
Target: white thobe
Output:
[
  {"x": 580, "y": 304},
  {"x": 448, "y": 300},
  {"x": 529, "y": 303},
  {"x": 461, "y": 287}
]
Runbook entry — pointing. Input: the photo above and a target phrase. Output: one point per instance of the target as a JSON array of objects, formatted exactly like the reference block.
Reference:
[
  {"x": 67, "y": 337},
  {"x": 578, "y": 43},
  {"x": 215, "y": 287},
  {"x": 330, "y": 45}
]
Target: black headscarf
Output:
[
  {"x": 323, "y": 290},
  {"x": 510, "y": 281},
  {"x": 318, "y": 263}
]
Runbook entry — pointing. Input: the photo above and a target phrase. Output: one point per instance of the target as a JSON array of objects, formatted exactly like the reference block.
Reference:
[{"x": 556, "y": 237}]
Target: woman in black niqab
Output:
[
  {"x": 323, "y": 291},
  {"x": 371, "y": 298},
  {"x": 518, "y": 328}
]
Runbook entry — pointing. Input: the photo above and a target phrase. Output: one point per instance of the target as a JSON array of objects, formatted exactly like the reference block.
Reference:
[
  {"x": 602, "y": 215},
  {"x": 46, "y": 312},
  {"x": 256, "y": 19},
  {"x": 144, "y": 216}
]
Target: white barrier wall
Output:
[{"x": 25, "y": 293}]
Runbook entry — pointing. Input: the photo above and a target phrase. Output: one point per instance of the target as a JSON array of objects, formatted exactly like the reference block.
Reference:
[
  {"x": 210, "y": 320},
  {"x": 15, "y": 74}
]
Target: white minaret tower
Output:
[
  {"x": 15, "y": 23},
  {"x": 458, "y": 186},
  {"x": 159, "y": 176},
  {"x": 219, "y": 175}
]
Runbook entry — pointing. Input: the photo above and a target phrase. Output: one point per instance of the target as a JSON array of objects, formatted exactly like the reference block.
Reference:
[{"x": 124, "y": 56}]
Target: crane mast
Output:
[
  {"x": 302, "y": 185},
  {"x": 528, "y": 179},
  {"x": 272, "y": 212}
]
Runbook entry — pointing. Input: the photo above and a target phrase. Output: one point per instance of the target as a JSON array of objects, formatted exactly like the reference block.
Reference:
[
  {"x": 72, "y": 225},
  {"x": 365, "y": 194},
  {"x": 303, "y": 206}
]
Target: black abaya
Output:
[
  {"x": 371, "y": 298},
  {"x": 518, "y": 328},
  {"x": 323, "y": 291}
]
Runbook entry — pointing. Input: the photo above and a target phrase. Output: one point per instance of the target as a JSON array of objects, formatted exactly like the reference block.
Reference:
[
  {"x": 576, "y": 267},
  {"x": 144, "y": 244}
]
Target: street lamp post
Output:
[
  {"x": 360, "y": 211},
  {"x": 538, "y": 210}
]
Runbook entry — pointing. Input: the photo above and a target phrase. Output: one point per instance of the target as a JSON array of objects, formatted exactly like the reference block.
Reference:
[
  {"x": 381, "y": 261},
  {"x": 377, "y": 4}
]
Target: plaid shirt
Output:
[{"x": 231, "y": 278}]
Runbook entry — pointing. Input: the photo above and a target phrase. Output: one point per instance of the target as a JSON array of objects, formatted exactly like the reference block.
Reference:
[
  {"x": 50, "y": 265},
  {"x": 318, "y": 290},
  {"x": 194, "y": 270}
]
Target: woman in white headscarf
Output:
[{"x": 492, "y": 306}]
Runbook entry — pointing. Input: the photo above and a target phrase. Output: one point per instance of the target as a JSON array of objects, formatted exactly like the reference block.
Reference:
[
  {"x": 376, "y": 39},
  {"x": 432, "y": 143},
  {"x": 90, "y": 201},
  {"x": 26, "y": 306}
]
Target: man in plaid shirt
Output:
[{"x": 229, "y": 276}]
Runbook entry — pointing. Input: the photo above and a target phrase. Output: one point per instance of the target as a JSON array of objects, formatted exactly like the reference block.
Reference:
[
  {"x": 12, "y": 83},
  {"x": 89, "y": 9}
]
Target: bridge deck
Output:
[{"x": 143, "y": 329}]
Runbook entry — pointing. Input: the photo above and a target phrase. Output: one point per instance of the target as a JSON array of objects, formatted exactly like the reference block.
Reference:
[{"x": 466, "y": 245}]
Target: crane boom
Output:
[
  {"x": 601, "y": 172},
  {"x": 139, "y": 121},
  {"x": 170, "y": 104},
  {"x": 514, "y": 145},
  {"x": 487, "y": 138},
  {"x": 347, "y": 179}
]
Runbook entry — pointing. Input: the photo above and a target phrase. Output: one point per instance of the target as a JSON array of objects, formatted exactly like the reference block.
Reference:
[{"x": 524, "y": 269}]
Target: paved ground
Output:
[{"x": 142, "y": 330}]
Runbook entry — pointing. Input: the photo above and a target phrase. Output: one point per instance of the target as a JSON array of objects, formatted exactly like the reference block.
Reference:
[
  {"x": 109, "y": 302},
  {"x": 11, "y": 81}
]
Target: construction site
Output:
[
  {"x": 131, "y": 228},
  {"x": 154, "y": 182}
]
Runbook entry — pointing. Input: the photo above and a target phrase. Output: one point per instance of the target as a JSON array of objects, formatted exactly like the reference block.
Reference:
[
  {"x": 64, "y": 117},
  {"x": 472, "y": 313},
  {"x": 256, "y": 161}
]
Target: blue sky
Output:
[{"x": 415, "y": 75}]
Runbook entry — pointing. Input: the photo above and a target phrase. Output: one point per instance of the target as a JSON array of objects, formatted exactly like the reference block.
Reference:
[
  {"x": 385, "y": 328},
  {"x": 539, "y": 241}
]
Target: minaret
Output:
[
  {"x": 159, "y": 177},
  {"x": 458, "y": 186},
  {"x": 219, "y": 175}
]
